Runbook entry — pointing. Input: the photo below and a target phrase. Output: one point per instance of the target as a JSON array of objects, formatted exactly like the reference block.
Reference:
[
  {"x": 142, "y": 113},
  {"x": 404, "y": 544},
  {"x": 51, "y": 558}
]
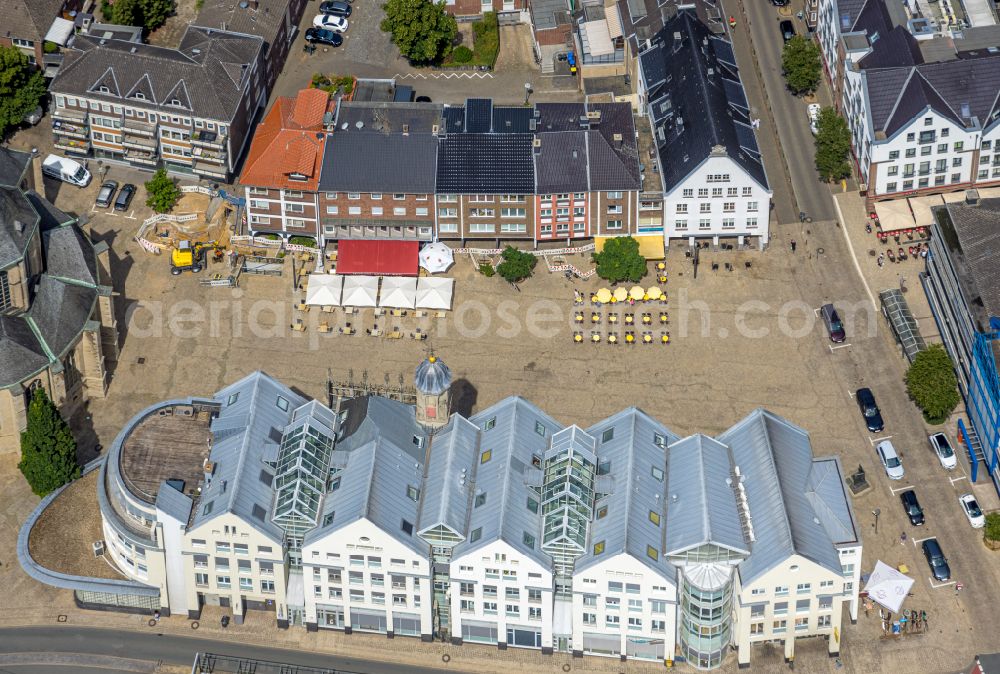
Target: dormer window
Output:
[
  {"x": 297, "y": 176},
  {"x": 175, "y": 101},
  {"x": 103, "y": 89},
  {"x": 139, "y": 95}
]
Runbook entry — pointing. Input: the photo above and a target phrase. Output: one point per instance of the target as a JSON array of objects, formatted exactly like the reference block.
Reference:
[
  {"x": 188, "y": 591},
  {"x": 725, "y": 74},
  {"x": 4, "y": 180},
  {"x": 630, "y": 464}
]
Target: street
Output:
[{"x": 154, "y": 648}]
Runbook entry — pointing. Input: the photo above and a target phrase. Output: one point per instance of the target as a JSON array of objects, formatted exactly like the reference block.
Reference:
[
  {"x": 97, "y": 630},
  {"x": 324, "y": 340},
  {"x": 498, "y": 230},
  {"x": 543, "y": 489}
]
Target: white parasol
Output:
[{"x": 436, "y": 257}]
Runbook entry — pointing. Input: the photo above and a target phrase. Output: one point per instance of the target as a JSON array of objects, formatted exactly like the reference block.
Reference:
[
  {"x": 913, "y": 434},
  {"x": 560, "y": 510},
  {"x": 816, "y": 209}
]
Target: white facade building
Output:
[{"x": 711, "y": 172}]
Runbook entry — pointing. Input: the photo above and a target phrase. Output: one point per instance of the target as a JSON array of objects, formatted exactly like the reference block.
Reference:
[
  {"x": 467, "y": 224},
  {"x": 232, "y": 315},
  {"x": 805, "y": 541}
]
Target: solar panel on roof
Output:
[
  {"x": 746, "y": 139},
  {"x": 735, "y": 94}
]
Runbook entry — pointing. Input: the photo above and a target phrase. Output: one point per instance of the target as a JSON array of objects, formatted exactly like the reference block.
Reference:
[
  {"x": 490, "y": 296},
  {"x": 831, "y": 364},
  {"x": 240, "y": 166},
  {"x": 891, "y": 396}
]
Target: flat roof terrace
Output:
[{"x": 172, "y": 443}]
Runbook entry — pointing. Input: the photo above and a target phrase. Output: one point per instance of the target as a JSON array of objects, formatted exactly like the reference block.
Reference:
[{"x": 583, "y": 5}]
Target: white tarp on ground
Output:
[
  {"x": 324, "y": 290},
  {"x": 894, "y": 214},
  {"x": 436, "y": 257},
  {"x": 434, "y": 293},
  {"x": 398, "y": 291},
  {"x": 60, "y": 31},
  {"x": 360, "y": 291},
  {"x": 887, "y": 586}
]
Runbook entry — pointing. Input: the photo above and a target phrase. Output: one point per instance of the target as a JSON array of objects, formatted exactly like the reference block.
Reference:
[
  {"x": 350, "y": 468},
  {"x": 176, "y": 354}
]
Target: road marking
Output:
[
  {"x": 839, "y": 346},
  {"x": 956, "y": 479},
  {"x": 900, "y": 489},
  {"x": 850, "y": 247},
  {"x": 920, "y": 540},
  {"x": 93, "y": 209},
  {"x": 111, "y": 213},
  {"x": 131, "y": 216},
  {"x": 873, "y": 441},
  {"x": 816, "y": 312},
  {"x": 937, "y": 587},
  {"x": 446, "y": 76}
]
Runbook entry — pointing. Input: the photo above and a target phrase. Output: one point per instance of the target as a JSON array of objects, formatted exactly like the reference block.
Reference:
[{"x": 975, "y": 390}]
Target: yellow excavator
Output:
[{"x": 189, "y": 256}]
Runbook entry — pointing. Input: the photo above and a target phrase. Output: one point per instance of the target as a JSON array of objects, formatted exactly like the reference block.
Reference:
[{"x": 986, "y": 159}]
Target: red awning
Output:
[{"x": 378, "y": 258}]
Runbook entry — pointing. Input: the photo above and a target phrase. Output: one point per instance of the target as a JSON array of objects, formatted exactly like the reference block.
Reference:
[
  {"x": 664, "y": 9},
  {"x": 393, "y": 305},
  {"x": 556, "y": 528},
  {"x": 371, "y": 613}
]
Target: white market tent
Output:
[
  {"x": 434, "y": 293},
  {"x": 436, "y": 257},
  {"x": 324, "y": 290},
  {"x": 398, "y": 291},
  {"x": 888, "y": 587},
  {"x": 360, "y": 291}
]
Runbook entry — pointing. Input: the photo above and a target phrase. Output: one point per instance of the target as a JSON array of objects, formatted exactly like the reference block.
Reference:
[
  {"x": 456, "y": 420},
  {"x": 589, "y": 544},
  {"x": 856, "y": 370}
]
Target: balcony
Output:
[
  {"x": 140, "y": 157},
  {"x": 78, "y": 130},
  {"x": 148, "y": 144},
  {"x": 69, "y": 114},
  {"x": 134, "y": 126},
  {"x": 71, "y": 144},
  {"x": 202, "y": 138},
  {"x": 212, "y": 156},
  {"x": 210, "y": 169}
]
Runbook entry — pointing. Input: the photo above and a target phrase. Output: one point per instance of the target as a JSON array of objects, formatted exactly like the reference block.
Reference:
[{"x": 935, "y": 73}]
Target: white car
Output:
[
  {"x": 972, "y": 511},
  {"x": 942, "y": 448},
  {"x": 334, "y": 23},
  {"x": 890, "y": 460},
  {"x": 813, "y": 111}
]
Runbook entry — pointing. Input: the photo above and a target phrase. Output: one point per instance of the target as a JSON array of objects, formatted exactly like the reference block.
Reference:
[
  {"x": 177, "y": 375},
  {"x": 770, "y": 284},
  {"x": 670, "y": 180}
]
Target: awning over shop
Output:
[
  {"x": 921, "y": 207},
  {"x": 377, "y": 257},
  {"x": 324, "y": 290},
  {"x": 60, "y": 31},
  {"x": 650, "y": 247},
  {"x": 434, "y": 293},
  {"x": 399, "y": 292},
  {"x": 894, "y": 215}
]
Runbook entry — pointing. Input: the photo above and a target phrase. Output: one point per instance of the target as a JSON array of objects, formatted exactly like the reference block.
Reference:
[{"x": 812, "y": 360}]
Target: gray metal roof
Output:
[
  {"x": 775, "y": 458},
  {"x": 240, "y": 434},
  {"x": 173, "y": 502},
  {"x": 208, "y": 72},
  {"x": 829, "y": 500},
  {"x": 15, "y": 208},
  {"x": 69, "y": 255},
  {"x": 371, "y": 161},
  {"x": 635, "y": 492},
  {"x": 432, "y": 376},
  {"x": 447, "y": 489},
  {"x": 13, "y": 164},
  {"x": 505, "y": 477},
  {"x": 701, "y": 507}
]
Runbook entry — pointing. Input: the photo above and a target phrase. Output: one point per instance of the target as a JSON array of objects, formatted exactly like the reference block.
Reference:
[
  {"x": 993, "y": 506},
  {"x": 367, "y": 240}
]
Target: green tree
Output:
[
  {"x": 517, "y": 265},
  {"x": 931, "y": 383},
  {"x": 833, "y": 145},
  {"x": 620, "y": 260},
  {"x": 161, "y": 192},
  {"x": 155, "y": 12},
  {"x": 150, "y": 14},
  {"x": 422, "y": 30},
  {"x": 801, "y": 65},
  {"x": 48, "y": 450},
  {"x": 991, "y": 531},
  {"x": 21, "y": 88}
]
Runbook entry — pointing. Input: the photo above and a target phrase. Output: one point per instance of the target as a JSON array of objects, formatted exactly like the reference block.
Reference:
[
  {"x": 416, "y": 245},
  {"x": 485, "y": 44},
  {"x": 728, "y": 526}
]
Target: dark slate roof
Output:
[
  {"x": 207, "y": 72},
  {"x": 498, "y": 163},
  {"x": 13, "y": 164},
  {"x": 958, "y": 90},
  {"x": 478, "y": 115},
  {"x": 512, "y": 120},
  {"x": 689, "y": 107},
  {"x": 897, "y": 47},
  {"x": 561, "y": 163},
  {"x": 643, "y": 19},
  {"x": 388, "y": 117},
  {"x": 454, "y": 118},
  {"x": 15, "y": 207},
  {"x": 21, "y": 355},
  {"x": 266, "y": 21},
  {"x": 59, "y": 311},
  {"x": 69, "y": 255},
  {"x": 369, "y": 161},
  {"x": 560, "y": 116},
  {"x": 51, "y": 217},
  {"x": 972, "y": 238}
]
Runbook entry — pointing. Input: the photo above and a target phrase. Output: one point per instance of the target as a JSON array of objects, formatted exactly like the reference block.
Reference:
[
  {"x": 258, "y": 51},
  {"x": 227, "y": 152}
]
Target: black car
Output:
[
  {"x": 787, "y": 30},
  {"x": 324, "y": 36},
  {"x": 912, "y": 507},
  {"x": 335, "y": 8},
  {"x": 935, "y": 559},
  {"x": 870, "y": 411},
  {"x": 125, "y": 197},
  {"x": 779, "y": 3},
  {"x": 107, "y": 194}
]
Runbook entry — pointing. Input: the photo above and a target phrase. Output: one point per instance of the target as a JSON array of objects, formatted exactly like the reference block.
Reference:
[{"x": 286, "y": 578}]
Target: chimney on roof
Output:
[
  {"x": 435, "y": 129},
  {"x": 677, "y": 36},
  {"x": 19, "y": 226},
  {"x": 574, "y": 154},
  {"x": 536, "y": 145},
  {"x": 971, "y": 197},
  {"x": 406, "y": 129}
]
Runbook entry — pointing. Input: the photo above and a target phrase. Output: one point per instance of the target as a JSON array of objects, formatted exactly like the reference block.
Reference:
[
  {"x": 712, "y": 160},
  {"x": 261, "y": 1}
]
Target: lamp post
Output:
[
  {"x": 527, "y": 92},
  {"x": 876, "y": 513}
]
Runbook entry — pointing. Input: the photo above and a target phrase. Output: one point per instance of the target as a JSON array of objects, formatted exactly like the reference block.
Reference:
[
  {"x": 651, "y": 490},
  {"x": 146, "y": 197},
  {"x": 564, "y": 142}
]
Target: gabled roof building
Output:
[
  {"x": 506, "y": 528},
  {"x": 713, "y": 179}
]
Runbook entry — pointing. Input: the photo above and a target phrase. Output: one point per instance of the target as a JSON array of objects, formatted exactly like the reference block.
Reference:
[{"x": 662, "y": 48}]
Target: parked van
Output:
[
  {"x": 66, "y": 170},
  {"x": 834, "y": 326}
]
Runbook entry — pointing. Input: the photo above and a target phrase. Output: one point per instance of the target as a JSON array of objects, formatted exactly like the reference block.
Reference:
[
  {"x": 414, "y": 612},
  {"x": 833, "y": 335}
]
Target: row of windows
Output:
[
  {"x": 224, "y": 582},
  {"x": 781, "y": 626},
  {"x": 727, "y": 207},
  {"x": 705, "y": 224},
  {"x": 716, "y": 192},
  {"x": 73, "y": 102}
]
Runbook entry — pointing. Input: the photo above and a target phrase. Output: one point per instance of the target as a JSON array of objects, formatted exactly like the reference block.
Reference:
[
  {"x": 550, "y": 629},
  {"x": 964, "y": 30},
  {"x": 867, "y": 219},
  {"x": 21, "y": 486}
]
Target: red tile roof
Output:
[{"x": 288, "y": 141}]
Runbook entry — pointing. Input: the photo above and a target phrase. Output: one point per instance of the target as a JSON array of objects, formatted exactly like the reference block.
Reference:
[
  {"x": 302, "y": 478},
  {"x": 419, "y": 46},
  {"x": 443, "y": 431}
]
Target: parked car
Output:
[
  {"x": 890, "y": 460},
  {"x": 335, "y": 8},
  {"x": 912, "y": 507},
  {"x": 936, "y": 560},
  {"x": 870, "y": 411},
  {"x": 813, "y": 111},
  {"x": 106, "y": 195},
  {"x": 324, "y": 36},
  {"x": 125, "y": 197},
  {"x": 787, "y": 30},
  {"x": 335, "y": 23},
  {"x": 972, "y": 511},
  {"x": 779, "y": 3},
  {"x": 945, "y": 454},
  {"x": 66, "y": 170},
  {"x": 834, "y": 326}
]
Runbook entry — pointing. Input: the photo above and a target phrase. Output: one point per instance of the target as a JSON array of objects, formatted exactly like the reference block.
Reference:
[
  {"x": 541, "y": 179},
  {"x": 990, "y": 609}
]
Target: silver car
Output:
[{"x": 890, "y": 460}]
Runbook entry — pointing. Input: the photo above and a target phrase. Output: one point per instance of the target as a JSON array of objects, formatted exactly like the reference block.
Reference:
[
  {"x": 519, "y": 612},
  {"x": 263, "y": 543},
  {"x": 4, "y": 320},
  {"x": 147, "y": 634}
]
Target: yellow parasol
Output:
[
  {"x": 661, "y": 266},
  {"x": 654, "y": 293},
  {"x": 630, "y": 338},
  {"x": 621, "y": 294},
  {"x": 603, "y": 295},
  {"x": 636, "y": 293},
  {"x": 578, "y": 337}
]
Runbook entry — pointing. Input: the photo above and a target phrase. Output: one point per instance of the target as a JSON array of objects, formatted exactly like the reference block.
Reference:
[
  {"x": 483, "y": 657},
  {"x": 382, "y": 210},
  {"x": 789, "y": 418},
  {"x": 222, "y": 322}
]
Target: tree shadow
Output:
[{"x": 463, "y": 397}]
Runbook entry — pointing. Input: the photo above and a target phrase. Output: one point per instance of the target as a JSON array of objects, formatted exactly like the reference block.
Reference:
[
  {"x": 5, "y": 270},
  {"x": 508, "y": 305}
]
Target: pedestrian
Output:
[
  {"x": 793, "y": 245},
  {"x": 881, "y": 260},
  {"x": 902, "y": 538}
]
